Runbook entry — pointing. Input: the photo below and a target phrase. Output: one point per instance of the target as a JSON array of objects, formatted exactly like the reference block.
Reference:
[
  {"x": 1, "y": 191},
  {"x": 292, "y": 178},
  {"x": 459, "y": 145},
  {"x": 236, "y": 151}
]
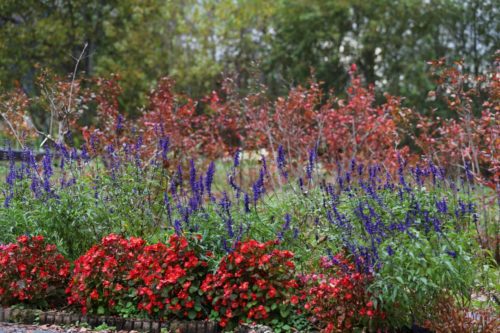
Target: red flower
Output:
[
  {"x": 28, "y": 268},
  {"x": 102, "y": 274},
  {"x": 94, "y": 294},
  {"x": 232, "y": 289}
]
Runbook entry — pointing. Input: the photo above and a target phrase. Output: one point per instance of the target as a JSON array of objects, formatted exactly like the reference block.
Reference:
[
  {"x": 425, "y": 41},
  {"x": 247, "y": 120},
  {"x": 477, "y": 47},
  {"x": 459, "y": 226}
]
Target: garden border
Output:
[{"x": 31, "y": 316}]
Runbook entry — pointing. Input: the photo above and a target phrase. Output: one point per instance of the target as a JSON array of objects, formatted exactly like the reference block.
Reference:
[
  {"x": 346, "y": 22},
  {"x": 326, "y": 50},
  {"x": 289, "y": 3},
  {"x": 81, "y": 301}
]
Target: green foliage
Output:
[
  {"x": 270, "y": 42},
  {"x": 421, "y": 269}
]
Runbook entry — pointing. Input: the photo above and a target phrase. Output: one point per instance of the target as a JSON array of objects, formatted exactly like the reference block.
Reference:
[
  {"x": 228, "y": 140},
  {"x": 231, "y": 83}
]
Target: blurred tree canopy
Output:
[{"x": 276, "y": 43}]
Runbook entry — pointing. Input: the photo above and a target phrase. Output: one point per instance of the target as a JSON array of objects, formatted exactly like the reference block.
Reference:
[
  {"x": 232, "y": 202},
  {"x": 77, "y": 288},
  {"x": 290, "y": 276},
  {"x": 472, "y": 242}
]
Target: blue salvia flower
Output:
[
  {"x": 225, "y": 204},
  {"x": 236, "y": 159},
  {"x": 137, "y": 148},
  {"x": 246, "y": 201},
  {"x": 127, "y": 149},
  {"x": 119, "y": 123},
  {"x": 165, "y": 146},
  {"x": 201, "y": 187},
  {"x": 417, "y": 172},
  {"x": 209, "y": 179},
  {"x": 179, "y": 175},
  {"x": 173, "y": 186},
  {"x": 11, "y": 175},
  {"x": 301, "y": 185},
  {"x": 178, "y": 227},
  {"x": 47, "y": 170},
  {"x": 258, "y": 186},
  {"x": 264, "y": 163},
  {"x": 225, "y": 246},
  {"x": 441, "y": 206},
  {"x": 389, "y": 250},
  {"x": 468, "y": 172},
  {"x": 281, "y": 161},
  {"x": 84, "y": 153},
  {"x": 353, "y": 165},
  {"x": 360, "y": 169},
  {"x": 295, "y": 233},
  {"x": 114, "y": 162},
  {"x": 463, "y": 207},
  {"x": 348, "y": 178},
  {"x": 8, "y": 198},
  {"x": 93, "y": 142},
  {"x": 340, "y": 181},
  {"x": 193, "y": 203},
  {"x": 471, "y": 208},
  {"x": 192, "y": 177},
  {"x": 285, "y": 227},
  {"x": 452, "y": 254},
  {"x": 62, "y": 148},
  {"x": 329, "y": 217},
  {"x": 35, "y": 184},
  {"x": 96, "y": 192},
  {"x": 388, "y": 185},
  {"x": 69, "y": 138},
  {"x": 437, "y": 224},
  {"x": 233, "y": 185},
  {"x": 434, "y": 171},
  {"x": 73, "y": 155},
  {"x": 311, "y": 163}
]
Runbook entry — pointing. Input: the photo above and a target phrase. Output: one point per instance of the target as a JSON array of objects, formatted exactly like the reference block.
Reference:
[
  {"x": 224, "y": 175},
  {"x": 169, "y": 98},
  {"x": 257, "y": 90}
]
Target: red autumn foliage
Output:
[
  {"x": 358, "y": 128},
  {"x": 473, "y": 133},
  {"x": 336, "y": 298},
  {"x": 251, "y": 284},
  {"x": 33, "y": 272},
  {"x": 168, "y": 277},
  {"x": 342, "y": 128},
  {"x": 100, "y": 277}
]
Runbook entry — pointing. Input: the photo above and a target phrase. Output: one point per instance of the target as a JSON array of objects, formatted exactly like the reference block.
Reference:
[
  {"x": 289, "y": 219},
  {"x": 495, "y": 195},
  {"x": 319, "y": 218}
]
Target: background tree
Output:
[{"x": 277, "y": 43}]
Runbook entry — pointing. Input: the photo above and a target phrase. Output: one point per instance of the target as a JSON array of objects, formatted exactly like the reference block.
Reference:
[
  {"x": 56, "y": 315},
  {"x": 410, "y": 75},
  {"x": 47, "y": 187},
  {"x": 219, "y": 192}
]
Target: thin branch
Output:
[
  {"x": 74, "y": 76},
  {"x": 11, "y": 128}
]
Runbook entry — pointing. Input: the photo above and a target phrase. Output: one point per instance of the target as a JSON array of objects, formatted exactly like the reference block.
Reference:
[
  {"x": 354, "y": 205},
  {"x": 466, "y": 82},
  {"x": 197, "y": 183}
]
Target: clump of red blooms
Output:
[
  {"x": 252, "y": 284},
  {"x": 168, "y": 278},
  {"x": 32, "y": 272},
  {"x": 100, "y": 276},
  {"x": 336, "y": 297}
]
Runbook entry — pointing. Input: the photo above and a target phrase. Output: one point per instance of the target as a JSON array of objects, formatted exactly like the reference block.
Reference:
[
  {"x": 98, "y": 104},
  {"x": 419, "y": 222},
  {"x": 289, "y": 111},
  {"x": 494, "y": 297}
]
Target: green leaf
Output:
[{"x": 192, "y": 315}]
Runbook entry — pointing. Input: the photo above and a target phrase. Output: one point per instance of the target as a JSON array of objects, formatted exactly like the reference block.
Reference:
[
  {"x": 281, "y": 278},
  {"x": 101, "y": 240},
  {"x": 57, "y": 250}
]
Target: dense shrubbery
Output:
[
  {"x": 253, "y": 283},
  {"x": 100, "y": 280},
  {"x": 336, "y": 296},
  {"x": 167, "y": 278},
  {"x": 33, "y": 272},
  {"x": 409, "y": 230}
]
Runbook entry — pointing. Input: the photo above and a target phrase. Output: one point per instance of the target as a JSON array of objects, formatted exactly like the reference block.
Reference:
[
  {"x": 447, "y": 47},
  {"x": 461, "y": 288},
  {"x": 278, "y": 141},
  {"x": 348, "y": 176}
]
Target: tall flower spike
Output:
[
  {"x": 209, "y": 179},
  {"x": 236, "y": 159},
  {"x": 281, "y": 161}
]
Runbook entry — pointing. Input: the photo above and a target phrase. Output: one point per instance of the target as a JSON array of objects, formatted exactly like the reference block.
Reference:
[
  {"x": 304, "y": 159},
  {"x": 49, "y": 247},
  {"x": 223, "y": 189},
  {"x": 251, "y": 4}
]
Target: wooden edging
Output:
[{"x": 29, "y": 316}]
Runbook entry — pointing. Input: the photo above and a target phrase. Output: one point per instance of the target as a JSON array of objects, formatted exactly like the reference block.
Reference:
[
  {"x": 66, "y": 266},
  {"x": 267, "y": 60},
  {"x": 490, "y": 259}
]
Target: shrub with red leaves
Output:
[
  {"x": 32, "y": 272},
  {"x": 336, "y": 297},
  {"x": 168, "y": 278},
  {"x": 252, "y": 284},
  {"x": 99, "y": 283}
]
